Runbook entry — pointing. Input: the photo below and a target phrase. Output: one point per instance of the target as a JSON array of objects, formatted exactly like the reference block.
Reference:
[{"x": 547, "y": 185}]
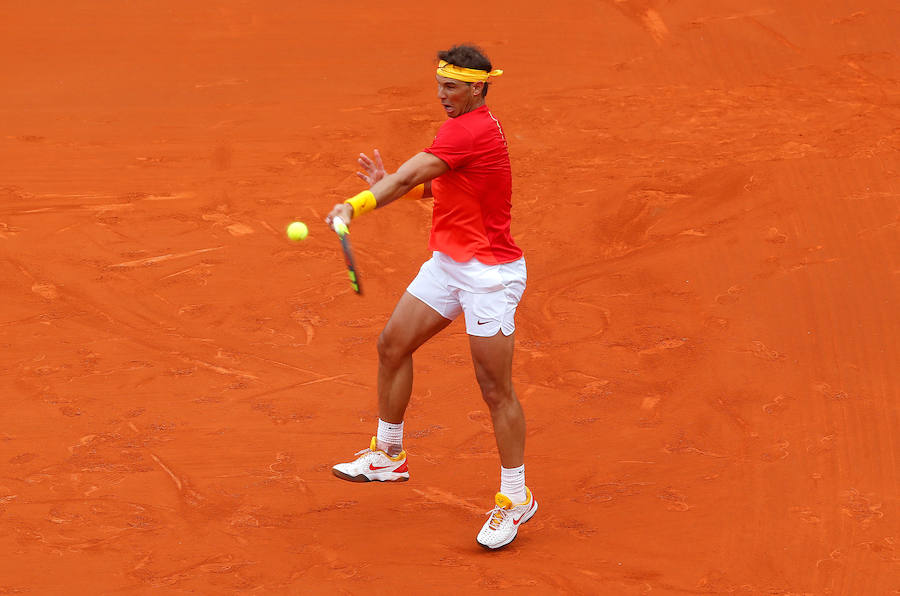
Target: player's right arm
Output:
[
  {"x": 421, "y": 168},
  {"x": 374, "y": 171}
]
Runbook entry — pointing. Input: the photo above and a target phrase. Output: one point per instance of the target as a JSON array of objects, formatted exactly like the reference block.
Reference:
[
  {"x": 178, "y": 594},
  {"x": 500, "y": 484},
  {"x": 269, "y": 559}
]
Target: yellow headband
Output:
[{"x": 469, "y": 75}]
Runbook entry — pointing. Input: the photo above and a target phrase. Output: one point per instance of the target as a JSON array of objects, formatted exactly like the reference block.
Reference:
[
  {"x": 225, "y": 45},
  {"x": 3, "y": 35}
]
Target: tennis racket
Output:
[{"x": 343, "y": 233}]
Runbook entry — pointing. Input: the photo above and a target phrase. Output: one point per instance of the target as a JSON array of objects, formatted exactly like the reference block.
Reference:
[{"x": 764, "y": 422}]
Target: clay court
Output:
[{"x": 707, "y": 352}]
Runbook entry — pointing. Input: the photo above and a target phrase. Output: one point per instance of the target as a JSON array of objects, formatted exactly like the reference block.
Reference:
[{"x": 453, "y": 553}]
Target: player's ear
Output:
[{"x": 477, "y": 88}]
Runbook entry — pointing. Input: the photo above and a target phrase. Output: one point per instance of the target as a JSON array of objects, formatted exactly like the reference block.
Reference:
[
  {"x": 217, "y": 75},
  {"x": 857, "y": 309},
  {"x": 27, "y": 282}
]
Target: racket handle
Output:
[{"x": 339, "y": 226}]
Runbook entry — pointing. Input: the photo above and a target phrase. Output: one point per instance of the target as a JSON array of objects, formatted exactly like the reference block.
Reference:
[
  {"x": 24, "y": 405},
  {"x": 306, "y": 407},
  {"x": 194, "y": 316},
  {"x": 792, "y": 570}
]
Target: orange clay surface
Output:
[{"x": 707, "y": 351}]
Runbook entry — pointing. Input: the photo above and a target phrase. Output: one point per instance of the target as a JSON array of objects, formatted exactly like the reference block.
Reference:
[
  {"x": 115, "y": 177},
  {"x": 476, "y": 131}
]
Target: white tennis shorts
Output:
[{"x": 487, "y": 294}]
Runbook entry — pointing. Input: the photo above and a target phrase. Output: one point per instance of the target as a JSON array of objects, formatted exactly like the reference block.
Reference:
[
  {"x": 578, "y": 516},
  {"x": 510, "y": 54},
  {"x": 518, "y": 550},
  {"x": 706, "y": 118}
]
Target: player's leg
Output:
[
  {"x": 490, "y": 323},
  {"x": 428, "y": 305},
  {"x": 514, "y": 503},
  {"x": 411, "y": 324},
  {"x": 425, "y": 308},
  {"x": 492, "y": 357}
]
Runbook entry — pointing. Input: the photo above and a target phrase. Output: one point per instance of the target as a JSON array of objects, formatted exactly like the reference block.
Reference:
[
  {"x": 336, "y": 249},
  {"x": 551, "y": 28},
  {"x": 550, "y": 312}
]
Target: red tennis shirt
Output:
[{"x": 472, "y": 200}]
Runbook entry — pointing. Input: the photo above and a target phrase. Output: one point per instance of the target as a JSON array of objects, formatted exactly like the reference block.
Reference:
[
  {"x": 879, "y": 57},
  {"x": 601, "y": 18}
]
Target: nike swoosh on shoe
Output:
[{"x": 516, "y": 521}]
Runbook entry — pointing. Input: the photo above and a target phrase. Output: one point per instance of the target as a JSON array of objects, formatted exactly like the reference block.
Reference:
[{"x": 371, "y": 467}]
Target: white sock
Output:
[
  {"x": 390, "y": 437},
  {"x": 512, "y": 483}
]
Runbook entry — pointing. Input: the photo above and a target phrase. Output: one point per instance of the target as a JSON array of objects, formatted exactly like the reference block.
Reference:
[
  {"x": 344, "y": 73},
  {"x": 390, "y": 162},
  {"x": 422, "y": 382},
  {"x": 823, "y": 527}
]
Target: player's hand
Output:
[
  {"x": 374, "y": 170},
  {"x": 342, "y": 210}
]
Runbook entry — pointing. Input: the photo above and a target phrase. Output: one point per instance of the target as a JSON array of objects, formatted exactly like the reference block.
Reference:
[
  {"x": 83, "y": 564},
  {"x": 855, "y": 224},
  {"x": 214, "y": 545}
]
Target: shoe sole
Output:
[
  {"x": 364, "y": 478},
  {"x": 508, "y": 542}
]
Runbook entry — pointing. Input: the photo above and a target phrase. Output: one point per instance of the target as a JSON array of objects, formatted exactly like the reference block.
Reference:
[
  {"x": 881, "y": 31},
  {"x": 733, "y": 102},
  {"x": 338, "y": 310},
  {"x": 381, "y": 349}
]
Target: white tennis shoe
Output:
[
  {"x": 505, "y": 518},
  {"x": 374, "y": 465}
]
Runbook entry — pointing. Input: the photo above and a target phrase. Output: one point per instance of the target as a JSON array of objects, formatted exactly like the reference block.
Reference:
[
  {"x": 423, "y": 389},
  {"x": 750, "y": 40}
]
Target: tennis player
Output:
[{"x": 476, "y": 270}]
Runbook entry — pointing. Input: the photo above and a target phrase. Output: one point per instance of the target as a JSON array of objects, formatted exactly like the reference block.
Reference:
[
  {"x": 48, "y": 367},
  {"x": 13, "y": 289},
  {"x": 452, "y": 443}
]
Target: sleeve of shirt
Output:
[{"x": 453, "y": 145}]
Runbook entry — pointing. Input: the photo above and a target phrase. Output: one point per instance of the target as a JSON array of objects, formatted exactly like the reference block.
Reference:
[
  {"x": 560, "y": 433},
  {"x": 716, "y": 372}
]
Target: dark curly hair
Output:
[{"x": 468, "y": 56}]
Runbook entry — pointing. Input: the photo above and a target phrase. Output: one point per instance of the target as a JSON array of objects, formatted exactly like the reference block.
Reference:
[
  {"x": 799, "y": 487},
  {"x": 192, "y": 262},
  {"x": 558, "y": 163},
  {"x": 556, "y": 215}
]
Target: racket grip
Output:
[{"x": 339, "y": 226}]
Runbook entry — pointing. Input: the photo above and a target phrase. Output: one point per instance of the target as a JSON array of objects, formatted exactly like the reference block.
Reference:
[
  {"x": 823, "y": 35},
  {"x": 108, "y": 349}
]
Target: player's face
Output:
[{"x": 458, "y": 97}]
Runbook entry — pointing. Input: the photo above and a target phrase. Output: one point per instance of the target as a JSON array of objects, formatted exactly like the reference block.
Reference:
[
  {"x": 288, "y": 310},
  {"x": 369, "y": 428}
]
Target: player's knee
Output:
[
  {"x": 496, "y": 394},
  {"x": 389, "y": 352}
]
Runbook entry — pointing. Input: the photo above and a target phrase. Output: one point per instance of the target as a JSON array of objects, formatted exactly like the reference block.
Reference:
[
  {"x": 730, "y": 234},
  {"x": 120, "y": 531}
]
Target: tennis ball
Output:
[{"x": 297, "y": 231}]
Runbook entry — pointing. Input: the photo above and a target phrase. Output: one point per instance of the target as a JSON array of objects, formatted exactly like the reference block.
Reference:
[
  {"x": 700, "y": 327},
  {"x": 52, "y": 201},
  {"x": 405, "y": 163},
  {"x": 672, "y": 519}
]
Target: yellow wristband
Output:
[
  {"x": 416, "y": 192},
  {"x": 362, "y": 203}
]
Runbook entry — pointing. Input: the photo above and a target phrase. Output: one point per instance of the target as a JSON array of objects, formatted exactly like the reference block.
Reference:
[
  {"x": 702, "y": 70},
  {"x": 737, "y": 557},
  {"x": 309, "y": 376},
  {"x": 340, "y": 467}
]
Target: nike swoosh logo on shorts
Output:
[{"x": 483, "y": 322}]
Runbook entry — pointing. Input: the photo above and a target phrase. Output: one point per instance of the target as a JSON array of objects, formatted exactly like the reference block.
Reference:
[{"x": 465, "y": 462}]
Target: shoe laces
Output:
[
  {"x": 370, "y": 449},
  {"x": 501, "y": 509},
  {"x": 373, "y": 451},
  {"x": 497, "y": 516}
]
